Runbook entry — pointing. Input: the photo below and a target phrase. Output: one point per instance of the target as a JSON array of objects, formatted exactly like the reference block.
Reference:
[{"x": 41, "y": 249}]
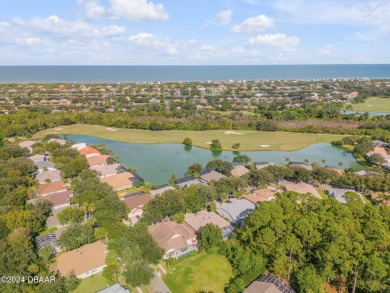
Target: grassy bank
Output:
[
  {"x": 373, "y": 105},
  {"x": 249, "y": 140},
  {"x": 201, "y": 272}
]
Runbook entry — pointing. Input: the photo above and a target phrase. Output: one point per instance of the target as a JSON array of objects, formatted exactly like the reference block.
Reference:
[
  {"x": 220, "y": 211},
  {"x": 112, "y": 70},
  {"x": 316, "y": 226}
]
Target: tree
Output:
[
  {"x": 236, "y": 146},
  {"x": 216, "y": 145},
  {"x": 222, "y": 166},
  {"x": 266, "y": 125},
  {"x": 76, "y": 236},
  {"x": 70, "y": 215},
  {"x": 173, "y": 178},
  {"x": 375, "y": 159},
  {"x": 241, "y": 159},
  {"x": 194, "y": 170},
  {"x": 308, "y": 280},
  {"x": 187, "y": 141},
  {"x": 210, "y": 236},
  {"x": 323, "y": 161}
]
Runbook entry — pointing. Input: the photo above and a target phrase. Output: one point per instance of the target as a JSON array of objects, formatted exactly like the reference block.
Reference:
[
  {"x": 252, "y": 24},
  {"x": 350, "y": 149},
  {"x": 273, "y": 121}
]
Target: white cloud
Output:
[
  {"x": 276, "y": 40},
  {"x": 238, "y": 50},
  {"x": 94, "y": 10},
  {"x": 224, "y": 17},
  {"x": 254, "y": 24},
  {"x": 326, "y": 50},
  {"x": 346, "y": 12},
  {"x": 157, "y": 43},
  {"x": 137, "y": 10},
  {"x": 55, "y": 25}
]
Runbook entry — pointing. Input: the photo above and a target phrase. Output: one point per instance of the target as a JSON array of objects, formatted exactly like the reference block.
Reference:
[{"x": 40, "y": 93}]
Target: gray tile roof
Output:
[{"x": 235, "y": 210}]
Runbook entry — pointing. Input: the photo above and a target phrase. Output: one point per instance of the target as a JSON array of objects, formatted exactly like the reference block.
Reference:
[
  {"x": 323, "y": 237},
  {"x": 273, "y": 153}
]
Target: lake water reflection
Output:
[{"x": 156, "y": 162}]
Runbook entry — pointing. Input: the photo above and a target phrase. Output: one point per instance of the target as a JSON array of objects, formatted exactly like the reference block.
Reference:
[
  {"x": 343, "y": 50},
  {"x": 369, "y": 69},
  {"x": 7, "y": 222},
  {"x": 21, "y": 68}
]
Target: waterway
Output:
[{"x": 157, "y": 162}]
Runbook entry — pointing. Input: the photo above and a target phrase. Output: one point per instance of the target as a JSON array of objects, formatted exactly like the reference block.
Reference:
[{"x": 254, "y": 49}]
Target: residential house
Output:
[
  {"x": 235, "y": 210},
  {"x": 119, "y": 181},
  {"x": 260, "y": 195},
  {"x": 209, "y": 176},
  {"x": 45, "y": 166},
  {"x": 338, "y": 194},
  {"x": 50, "y": 188},
  {"x": 116, "y": 288},
  {"x": 27, "y": 144},
  {"x": 135, "y": 204},
  {"x": 84, "y": 261},
  {"x": 57, "y": 140},
  {"x": 52, "y": 221},
  {"x": 48, "y": 176},
  {"x": 158, "y": 190},
  {"x": 202, "y": 218},
  {"x": 106, "y": 170},
  {"x": 37, "y": 158},
  {"x": 59, "y": 200},
  {"x": 89, "y": 152},
  {"x": 269, "y": 284},
  {"x": 261, "y": 165},
  {"x": 99, "y": 160},
  {"x": 386, "y": 166},
  {"x": 302, "y": 165},
  {"x": 176, "y": 239},
  {"x": 79, "y": 146},
  {"x": 239, "y": 171},
  {"x": 187, "y": 181},
  {"x": 301, "y": 187},
  {"x": 376, "y": 142}
]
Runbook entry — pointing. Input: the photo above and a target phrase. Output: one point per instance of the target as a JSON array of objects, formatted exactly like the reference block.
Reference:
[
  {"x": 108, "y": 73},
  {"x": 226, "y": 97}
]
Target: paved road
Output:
[{"x": 158, "y": 286}]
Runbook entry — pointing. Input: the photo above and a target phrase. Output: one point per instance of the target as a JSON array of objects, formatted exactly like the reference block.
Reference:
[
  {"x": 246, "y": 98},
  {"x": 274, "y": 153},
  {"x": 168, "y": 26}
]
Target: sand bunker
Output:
[
  {"x": 58, "y": 128},
  {"x": 370, "y": 105},
  {"x": 208, "y": 142},
  {"x": 265, "y": 145},
  {"x": 111, "y": 129},
  {"x": 232, "y": 132}
]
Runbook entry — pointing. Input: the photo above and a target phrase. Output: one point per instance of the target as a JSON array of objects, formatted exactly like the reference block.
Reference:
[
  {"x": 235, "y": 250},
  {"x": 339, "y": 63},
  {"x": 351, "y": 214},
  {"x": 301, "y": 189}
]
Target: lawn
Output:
[
  {"x": 201, "y": 272},
  {"x": 249, "y": 140},
  {"x": 373, "y": 105},
  {"x": 92, "y": 284}
]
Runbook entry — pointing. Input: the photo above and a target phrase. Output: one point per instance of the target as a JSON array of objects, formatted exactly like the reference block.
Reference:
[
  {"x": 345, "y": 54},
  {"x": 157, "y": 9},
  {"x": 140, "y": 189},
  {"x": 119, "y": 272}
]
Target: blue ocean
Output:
[{"x": 50, "y": 74}]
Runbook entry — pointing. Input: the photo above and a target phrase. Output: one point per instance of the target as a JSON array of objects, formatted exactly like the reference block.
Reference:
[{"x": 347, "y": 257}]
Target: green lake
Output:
[{"x": 157, "y": 162}]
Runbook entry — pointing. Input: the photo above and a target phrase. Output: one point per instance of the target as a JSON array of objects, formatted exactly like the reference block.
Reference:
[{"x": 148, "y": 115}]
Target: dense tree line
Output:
[
  {"x": 25, "y": 123},
  {"x": 310, "y": 242},
  {"x": 20, "y": 223}
]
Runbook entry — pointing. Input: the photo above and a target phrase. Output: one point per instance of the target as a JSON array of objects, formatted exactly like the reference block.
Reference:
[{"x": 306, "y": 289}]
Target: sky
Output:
[{"x": 194, "y": 32}]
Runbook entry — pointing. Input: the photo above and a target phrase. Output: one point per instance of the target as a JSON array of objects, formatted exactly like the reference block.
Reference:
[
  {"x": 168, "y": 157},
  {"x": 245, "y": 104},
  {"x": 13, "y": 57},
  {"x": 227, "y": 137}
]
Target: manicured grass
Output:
[
  {"x": 201, "y": 272},
  {"x": 322, "y": 193},
  {"x": 92, "y": 284},
  {"x": 373, "y": 105},
  {"x": 249, "y": 140}
]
